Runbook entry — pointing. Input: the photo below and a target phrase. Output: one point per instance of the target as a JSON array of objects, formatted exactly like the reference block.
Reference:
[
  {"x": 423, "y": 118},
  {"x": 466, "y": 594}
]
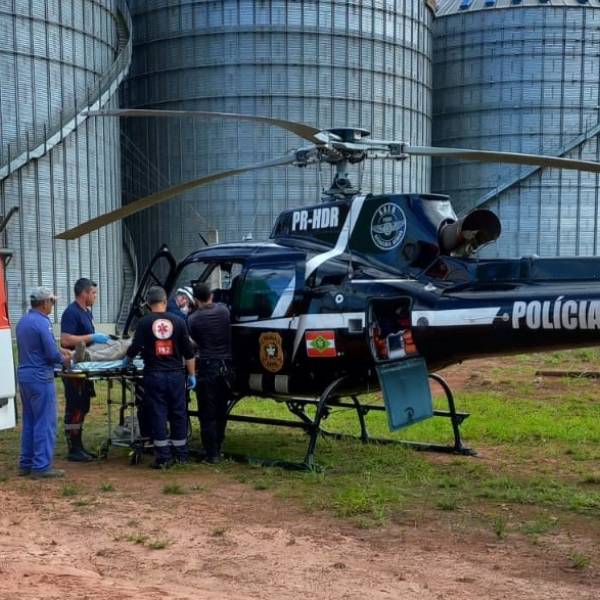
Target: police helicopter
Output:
[{"x": 364, "y": 292}]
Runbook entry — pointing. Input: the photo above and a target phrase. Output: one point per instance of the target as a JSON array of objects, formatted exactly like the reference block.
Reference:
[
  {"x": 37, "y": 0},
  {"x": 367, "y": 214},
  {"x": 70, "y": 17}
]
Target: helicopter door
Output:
[
  {"x": 160, "y": 271},
  {"x": 264, "y": 301},
  {"x": 402, "y": 372}
]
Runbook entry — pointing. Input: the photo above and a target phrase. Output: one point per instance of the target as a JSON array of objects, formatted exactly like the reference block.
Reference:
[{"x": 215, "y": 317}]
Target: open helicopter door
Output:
[
  {"x": 402, "y": 372},
  {"x": 161, "y": 271}
]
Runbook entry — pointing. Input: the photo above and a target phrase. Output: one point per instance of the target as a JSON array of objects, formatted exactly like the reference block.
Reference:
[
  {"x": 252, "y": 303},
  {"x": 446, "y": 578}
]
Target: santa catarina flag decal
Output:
[{"x": 320, "y": 344}]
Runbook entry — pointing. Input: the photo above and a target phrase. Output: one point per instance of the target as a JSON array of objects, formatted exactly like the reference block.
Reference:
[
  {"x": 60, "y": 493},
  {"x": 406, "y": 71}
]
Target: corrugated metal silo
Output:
[
  {"x": 57, "y": 59},
  {"x": 324, "y": 62},
  {"x": 523, "y": 77}
]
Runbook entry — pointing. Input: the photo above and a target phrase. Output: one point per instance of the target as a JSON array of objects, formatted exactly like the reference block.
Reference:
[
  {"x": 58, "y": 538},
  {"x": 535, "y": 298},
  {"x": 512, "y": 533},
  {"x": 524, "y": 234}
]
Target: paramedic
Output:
[{"x": 162, "y": 339}]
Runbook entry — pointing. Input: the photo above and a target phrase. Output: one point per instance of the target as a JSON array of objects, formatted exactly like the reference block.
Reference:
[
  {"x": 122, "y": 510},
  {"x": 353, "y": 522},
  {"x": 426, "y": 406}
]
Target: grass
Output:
[
  {"x": 173, "y": 488},
  {"x": 137, "y": 537},
  {"x": 69, "y": 490},
  {"x": 158, "y": 544},
  {"x": 540, "y": 439},
  {"x": 579, "y": 561},
  {"x": 198, "y": 487},
  {"x": 539, "y": 526},
  {"x": 447, "y": 504},
  {"x": 80, "y": 502},
  {"x": 500, "y": 527}
]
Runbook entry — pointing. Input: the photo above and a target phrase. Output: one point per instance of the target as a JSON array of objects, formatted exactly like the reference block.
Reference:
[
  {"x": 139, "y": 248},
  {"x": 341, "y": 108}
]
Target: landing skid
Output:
[{"x": 331, "y": 399}]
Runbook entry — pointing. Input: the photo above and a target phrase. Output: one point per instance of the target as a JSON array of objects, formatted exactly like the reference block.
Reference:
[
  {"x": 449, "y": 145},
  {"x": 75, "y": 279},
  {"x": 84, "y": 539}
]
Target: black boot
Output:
[
  {"x": 76, "y": 451},
  {"x": 92, "y": 455}
]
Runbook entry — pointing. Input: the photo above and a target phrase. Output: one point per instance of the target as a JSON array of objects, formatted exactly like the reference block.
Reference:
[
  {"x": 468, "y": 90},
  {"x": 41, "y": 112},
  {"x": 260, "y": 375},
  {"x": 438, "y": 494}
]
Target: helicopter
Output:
[{"x": 363, "y": 292}]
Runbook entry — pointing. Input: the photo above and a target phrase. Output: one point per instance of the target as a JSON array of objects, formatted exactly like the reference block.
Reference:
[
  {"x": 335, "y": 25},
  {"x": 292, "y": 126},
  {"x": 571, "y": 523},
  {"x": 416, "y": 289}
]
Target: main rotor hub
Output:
[{"x": 350, "y": 134}]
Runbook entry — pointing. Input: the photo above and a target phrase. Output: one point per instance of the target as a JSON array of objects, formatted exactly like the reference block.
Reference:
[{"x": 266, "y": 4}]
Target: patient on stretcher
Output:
[{"x": 114, "y": 350}]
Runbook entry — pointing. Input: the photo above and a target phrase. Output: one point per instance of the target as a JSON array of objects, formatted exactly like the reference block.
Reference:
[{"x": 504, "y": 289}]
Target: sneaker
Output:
[
  {"x": 212, "y": 460},
  {"x": 47, "y": 474},
  {"x": 24, "y": 471}
]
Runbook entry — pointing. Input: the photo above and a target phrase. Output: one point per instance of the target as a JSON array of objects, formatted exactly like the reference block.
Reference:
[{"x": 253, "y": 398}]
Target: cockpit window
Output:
[
  {"x": 266, "y": 292},
  {"x": 220, "y": 276}
]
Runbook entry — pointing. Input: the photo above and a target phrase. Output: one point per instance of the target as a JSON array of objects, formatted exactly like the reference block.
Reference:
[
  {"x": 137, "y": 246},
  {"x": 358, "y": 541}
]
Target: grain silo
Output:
[
  {"x": 524, "y": 77},
  {"x": 59, "y": 58},
  {"x": 324, "y": 62}
]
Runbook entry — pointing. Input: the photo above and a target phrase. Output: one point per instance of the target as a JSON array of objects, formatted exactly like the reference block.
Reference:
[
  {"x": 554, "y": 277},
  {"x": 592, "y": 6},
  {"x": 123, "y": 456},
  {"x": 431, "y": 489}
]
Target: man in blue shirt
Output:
[
  {"x": 38, "y": 354},
  {"x": 77, "y": 325}
]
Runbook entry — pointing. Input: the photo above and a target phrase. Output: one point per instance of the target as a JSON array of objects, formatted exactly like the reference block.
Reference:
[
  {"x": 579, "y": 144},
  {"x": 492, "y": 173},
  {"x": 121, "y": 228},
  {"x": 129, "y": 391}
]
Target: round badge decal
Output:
[
  {"x": 162, "y": 329},
  {"x": 388, "y": 226}
]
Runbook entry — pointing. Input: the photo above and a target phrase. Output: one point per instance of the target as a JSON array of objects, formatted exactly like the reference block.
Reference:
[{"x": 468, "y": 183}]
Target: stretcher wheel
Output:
[
  {"x": 103, "y": 452},
  {"x": 135, "y": 458}
]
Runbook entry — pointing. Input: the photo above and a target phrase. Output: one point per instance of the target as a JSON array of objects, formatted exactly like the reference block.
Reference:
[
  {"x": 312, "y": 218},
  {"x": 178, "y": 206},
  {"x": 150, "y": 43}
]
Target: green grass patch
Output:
[
  {"x": 105, "y": 486},
  {"x": 579, "y": 561},
  {"x": 447, "y": 504},
  {"x": 372, "y": 482},
  {"x": 500, "y": 527},
  {"x": 540, "y": 526},
  {"x": 158, "y": 544},
  {"x": 137, "y": 537},
  {"x": 173, "y": 488},
  {"x": 69, "y": 490}
]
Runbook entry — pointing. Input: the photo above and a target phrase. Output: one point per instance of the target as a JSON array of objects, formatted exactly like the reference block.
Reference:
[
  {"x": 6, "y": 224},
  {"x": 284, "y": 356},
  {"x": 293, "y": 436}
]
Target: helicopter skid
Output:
[{"x": 331, "y": 400}]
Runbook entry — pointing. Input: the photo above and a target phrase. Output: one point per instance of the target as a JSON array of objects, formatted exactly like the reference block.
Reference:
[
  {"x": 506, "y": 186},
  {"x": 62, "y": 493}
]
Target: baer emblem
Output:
[
  {"x": 271, "y": 351},
  {"x": 388, "y": 226}
]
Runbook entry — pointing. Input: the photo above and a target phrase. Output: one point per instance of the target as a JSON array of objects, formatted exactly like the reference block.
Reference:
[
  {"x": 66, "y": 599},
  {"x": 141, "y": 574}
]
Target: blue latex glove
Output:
[
  {"x": 191, "y": 382},
  {"x": 100, "y": 338}
]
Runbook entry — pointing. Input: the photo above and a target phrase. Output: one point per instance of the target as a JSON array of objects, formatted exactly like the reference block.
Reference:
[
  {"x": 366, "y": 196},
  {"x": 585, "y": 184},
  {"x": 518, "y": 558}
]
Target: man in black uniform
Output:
[
  {"x": 162, "y": 339},
  {"x": 210, "y": 329}
]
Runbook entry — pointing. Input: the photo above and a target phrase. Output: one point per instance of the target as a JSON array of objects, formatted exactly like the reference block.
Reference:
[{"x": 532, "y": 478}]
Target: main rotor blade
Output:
[
  {"x": 505, "y": 157},
  {"x": 300, "y": 129},
  {"x": 158, "y": 197}
]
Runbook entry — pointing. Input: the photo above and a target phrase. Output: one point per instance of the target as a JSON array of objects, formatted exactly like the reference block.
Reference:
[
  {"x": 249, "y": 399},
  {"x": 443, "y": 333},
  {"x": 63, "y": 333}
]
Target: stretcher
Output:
[{"x": 123, "y": 394}]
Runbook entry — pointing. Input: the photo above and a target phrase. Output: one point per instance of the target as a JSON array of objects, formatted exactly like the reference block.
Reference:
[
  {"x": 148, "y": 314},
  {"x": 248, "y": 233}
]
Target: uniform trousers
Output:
[
  {"x": 214, "y": 393},
  {"x": 38, "y": 436},
  {"x": 165, "y": 394},
  {"x": 77, "y": 405}
]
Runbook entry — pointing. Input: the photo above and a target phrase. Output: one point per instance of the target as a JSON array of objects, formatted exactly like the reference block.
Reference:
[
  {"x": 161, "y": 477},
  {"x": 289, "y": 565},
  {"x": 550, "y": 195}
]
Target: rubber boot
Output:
[
  {"x": 76, "y": 451},
  {"x": 92, "y": 455}
]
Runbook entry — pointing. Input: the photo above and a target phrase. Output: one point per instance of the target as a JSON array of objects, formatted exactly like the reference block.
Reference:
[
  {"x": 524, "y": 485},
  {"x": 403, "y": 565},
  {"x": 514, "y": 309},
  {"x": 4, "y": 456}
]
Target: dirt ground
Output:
[{"x": 222, "y": 539}]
